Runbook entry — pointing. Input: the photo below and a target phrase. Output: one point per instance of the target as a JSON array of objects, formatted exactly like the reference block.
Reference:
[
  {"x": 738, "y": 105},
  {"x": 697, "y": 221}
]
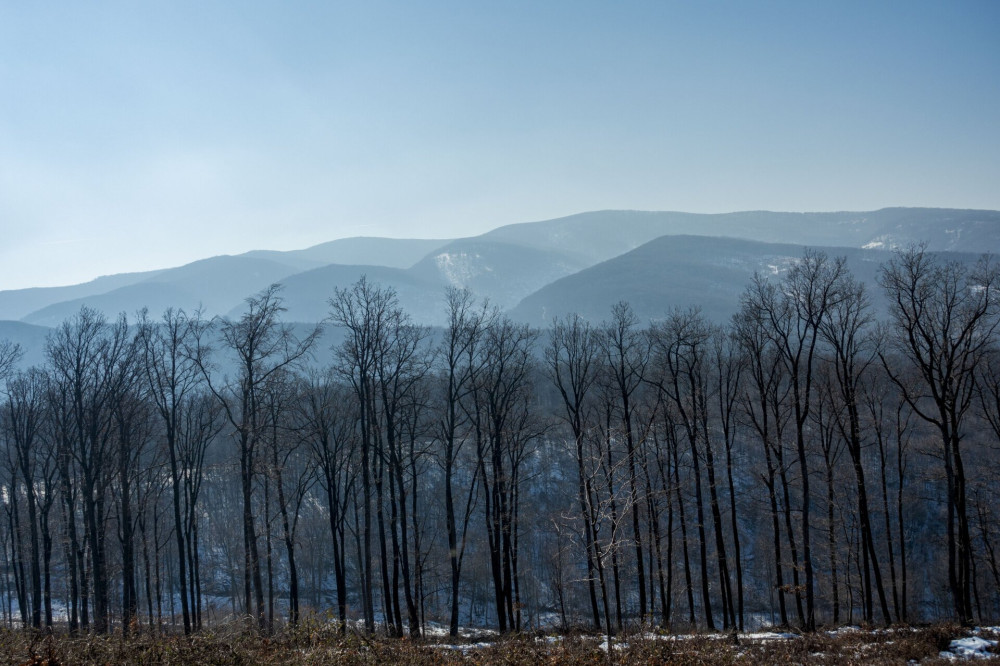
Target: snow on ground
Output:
[
  {"x": 769, "y": 635},
  {"x": 437, "y": 630},
  {"x": 972, "y": 647},
  {"x": 465, "y": 647},
  {"x": 753, "y": 636},
  {"x": 840, "y": 631}
]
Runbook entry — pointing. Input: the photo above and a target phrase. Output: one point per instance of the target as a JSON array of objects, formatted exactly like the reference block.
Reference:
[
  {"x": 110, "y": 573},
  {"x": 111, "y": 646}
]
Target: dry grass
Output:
[{"x": 320, "y": 643}]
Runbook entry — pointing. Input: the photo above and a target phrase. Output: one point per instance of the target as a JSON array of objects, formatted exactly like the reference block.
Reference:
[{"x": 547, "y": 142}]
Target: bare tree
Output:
[
  {"x": 22, "y": 421},
  {"x": 403, "y": 364},
  {"x": 171, "y": 375},
  {"x": 292, "y": 475},
  {"x": 329, "y": 425},
  {"x": 10, "y": 354},
  {"x": 626, "y": 353},
  {"x": 61, "y": 434},
  {"x": 572, "y": 358},
  {"x": 763, "y": 404},
  {"x": 847, "y": 332},
  {"x": 200, "y": 423},
  {"x": 261, "y": 347},
  {"x": 94, "y": 360},
  {"x": 683, "y": 344},
  {"x": 827, "y": 416},
  {"x": 501, "y": 400},
  {"x": 729, "y": 368},
  {"x": 132, "y": 422},
  {"x": 944, "y": 317},
  {"x": 365, "y": 311},
  {"x": 46, "y": 474},
  {"x": 793, "y": 312},
  {"x": 458, "y": 354}
]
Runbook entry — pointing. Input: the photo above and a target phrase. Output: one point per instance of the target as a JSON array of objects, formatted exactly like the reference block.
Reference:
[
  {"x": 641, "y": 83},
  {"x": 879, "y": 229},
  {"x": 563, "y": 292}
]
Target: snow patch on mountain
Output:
[
  {"x": 883, "y": 242},
  {"x": 461, "y": 267}
]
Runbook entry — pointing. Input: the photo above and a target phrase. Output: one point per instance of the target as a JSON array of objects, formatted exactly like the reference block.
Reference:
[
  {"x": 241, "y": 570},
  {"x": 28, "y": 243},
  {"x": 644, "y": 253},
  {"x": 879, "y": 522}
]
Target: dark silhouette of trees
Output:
[
  {"x": 22, "y": 421},
  {"x": 459, "y": 355},
  {"x": 501, "y": 406},
  {"x": 683, "y": 347},
  {"x": 805, "y": 462},
  {"x": 847, "y": 332},
  {"x": 328, "y": 423},
  {"x": 365, "y": 312},
  {"x": 943, "y": 319},
  {"x": 95, "y": 360},
  {"x": 573, "y": 366},
  {"x": 261, "y": 347},
  {"x": 171, "y": 375},
  {"x": 793, "y": 311},
  {"x": 626, "y": 354}
]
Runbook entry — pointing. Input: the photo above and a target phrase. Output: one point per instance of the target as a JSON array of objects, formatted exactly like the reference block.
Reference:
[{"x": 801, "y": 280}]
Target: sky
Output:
[{"x": 142, "y": 135}]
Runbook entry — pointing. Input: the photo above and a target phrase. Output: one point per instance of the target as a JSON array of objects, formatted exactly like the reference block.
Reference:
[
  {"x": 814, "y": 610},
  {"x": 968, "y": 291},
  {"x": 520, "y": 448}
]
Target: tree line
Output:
[{"x": 813, "y": 461}]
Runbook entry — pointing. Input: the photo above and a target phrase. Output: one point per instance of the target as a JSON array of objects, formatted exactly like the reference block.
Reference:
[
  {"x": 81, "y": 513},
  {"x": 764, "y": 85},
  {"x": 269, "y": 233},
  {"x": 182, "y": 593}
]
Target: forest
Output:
[{"x": 813, "y": 462}]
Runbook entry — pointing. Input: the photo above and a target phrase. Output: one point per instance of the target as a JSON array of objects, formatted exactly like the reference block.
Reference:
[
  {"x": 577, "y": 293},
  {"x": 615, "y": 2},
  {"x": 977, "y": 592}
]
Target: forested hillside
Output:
[{"x": 813, "y": 461}]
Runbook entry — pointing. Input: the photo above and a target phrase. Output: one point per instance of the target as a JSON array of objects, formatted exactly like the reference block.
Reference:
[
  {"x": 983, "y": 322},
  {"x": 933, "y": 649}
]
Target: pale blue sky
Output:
[{"x": 137, "y": 135}]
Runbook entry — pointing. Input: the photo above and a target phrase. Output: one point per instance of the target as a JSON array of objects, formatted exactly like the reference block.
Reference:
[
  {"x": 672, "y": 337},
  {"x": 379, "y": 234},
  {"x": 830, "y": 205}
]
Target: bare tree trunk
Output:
[
  {"x": 793, "y": 550},
  {"x": 689, "y": 588}
]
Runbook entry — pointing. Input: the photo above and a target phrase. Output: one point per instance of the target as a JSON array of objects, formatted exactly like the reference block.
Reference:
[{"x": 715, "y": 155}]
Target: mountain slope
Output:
[
  {"x": 506, "y": 265},
  {"x": 216, "y": 284},
  {"x": 361, "y": 250},
  {"x": 19, "y": 303},
  {"x": 601, "y": 235},
  {"x": 30, "y": 338},
  {"x": 219, "y": 283},
  {"x": 685, "y": 271},
  {"x": 306, "y": 295},
  {"x": 502, "y": 272}
]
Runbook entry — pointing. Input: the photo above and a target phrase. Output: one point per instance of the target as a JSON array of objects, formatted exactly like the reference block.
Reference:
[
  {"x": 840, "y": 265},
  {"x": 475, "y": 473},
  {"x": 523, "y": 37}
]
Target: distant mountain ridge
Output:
[
  {"x": 357, "y": 251},
  {"x": 30, "y": 338},
  {"x": 688, "y": 271},
  {"x": 46, "y": 304},
  {"x": 533, "y": 269}
]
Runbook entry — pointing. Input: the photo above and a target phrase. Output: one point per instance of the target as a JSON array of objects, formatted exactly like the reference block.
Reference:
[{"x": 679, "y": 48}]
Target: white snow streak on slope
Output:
[{"x": 459, "y": 268}]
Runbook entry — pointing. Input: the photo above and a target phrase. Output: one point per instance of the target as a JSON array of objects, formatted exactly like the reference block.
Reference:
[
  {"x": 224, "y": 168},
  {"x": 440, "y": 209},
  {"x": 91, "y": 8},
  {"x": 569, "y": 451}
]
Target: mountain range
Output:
[{"x": 535, "y": 271}]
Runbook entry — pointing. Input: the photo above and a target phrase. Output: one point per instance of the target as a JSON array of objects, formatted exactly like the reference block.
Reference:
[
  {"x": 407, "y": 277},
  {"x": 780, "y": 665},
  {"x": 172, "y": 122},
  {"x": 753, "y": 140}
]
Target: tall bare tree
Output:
[
  {"x": 793, "y": 310},
  {"x": 171, "y": 375},
  {"x": 683, "y": 348},
  {"x": 22, "y": 420},
  {"x": 502, "y": 399},
  {"x": 848, "y": 333},
  {"x": 944, "y": 316},
  {"x": 93, "y": 359},
  {"x": 329, "y": 426},
  {"x": 458, "y": 355},
  {"x": 260, "y": 346},
  {"x": 626, "y": 352},
  {"x": 365, "y": 311},
  {"x": 573, "y": 363}
]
